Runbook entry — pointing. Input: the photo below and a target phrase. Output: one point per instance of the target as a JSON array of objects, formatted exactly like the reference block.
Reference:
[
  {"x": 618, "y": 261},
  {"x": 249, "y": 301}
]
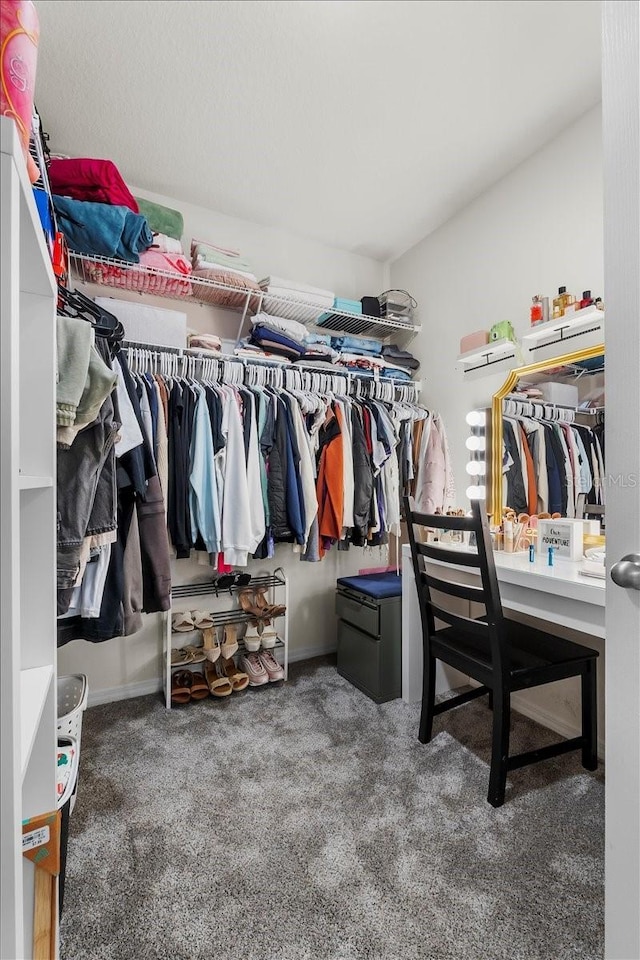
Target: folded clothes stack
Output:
[
  {"x": 100, "y": 217},
  {"x": 251, "y": 351},
  {"x": 399, "y": 364},
  {"x": 396, "y": 373},
  {"x": 360, "y": 345},
  {"x": 166, "y": 252},
  {"x": 360, "y": 361},
  {"x": 208, "y": 256},
  {"x": 279, "y": 336},
  {"x": 102, "y": 229},
  {"x": 225, "y": 266},
  {"x": 399, "y": 358},
  {"x": 205, "y": 341}
]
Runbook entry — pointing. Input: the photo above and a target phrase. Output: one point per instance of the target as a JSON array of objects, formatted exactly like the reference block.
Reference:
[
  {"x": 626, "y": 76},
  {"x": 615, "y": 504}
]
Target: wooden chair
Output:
[{"x": 502, "y": 655}]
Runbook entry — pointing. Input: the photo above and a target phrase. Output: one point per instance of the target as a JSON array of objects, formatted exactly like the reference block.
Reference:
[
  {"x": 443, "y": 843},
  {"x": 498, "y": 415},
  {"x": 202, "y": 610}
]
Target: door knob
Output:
[{"x": 626, "y": 572}]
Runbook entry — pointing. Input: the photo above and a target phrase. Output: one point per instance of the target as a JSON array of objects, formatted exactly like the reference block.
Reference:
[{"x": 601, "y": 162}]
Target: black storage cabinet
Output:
[{"x": 369, "y": 610}]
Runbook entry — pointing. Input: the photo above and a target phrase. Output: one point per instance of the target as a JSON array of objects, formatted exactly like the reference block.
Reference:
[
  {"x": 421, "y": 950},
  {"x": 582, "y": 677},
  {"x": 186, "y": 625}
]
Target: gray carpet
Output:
[{"x": 306, "y": 823}]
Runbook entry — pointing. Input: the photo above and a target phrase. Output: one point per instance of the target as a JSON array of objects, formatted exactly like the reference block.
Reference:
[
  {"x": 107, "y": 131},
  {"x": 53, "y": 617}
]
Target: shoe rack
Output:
[{"x": 218, "y": 605}]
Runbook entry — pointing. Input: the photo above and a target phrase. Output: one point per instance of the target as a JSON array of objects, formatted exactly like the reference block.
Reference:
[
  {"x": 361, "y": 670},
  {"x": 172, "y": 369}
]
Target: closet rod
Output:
[{"x": 402, "y": 387}]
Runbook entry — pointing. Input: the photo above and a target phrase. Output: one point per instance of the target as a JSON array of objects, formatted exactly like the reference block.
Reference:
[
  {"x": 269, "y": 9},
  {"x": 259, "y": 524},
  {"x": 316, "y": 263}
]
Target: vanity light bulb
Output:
[
  {"x": 475, "y": 468},
  {"x": 476, "y": 418},
  {"x": 476, "y": 493},
  {"x": 475, "y": 443}
]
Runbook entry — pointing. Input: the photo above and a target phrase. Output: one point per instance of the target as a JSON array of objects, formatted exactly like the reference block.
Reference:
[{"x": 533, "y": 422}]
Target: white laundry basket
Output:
[{"x": 73, "y": 692}]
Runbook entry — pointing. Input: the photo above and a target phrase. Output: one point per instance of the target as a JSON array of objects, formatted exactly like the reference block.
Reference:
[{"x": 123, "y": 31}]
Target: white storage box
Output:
[
  {"x": 565, "y": 536},
  {"x": 143, "y": 324},
  {"x": 565, "y": 394}
]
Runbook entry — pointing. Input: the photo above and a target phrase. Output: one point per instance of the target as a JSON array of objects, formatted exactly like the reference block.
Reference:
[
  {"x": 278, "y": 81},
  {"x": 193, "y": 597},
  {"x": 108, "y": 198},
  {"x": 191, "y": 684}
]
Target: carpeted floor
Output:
[{"x": 307, "y": 823}]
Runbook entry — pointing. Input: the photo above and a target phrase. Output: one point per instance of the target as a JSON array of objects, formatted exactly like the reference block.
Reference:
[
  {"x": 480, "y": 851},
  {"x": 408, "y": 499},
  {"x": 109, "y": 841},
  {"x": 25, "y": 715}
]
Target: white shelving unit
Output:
[
  {"x": 27, "y": 546},
  {"x": 491, "y": 358},
  {"x": 219, "y": 605},
  {"x": 137, "y": 277},
  {"x": 578, "y": 324}
]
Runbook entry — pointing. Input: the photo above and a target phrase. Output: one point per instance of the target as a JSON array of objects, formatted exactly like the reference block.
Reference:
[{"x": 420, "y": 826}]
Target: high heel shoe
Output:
[
  {"x": 255, "y": 603},
  {"x": 211, "y": 647},
  {"x": 268, "y": 609},
  {"x": 229, "y": 641}
]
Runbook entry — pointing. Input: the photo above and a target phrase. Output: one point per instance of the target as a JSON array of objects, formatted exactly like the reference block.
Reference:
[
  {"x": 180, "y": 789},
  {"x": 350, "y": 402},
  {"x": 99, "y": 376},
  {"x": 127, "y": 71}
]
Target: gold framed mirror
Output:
[{"x": 534, "y": 372}]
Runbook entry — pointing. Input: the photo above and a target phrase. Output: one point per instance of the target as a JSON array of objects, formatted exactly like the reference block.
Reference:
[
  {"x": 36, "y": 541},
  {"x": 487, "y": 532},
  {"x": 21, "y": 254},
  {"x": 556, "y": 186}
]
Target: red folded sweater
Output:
[{"x": 97, "y": 181}]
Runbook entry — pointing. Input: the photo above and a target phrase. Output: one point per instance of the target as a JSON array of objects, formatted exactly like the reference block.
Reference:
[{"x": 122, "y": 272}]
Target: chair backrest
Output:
[{"x": 488, "y": 593}]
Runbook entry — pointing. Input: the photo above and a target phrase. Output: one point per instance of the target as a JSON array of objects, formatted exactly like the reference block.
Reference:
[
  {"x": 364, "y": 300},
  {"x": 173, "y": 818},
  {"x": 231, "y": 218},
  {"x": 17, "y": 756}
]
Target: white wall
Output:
[
  {"x": 131, "y": 665},
  {"x": 538, "y": 228}
]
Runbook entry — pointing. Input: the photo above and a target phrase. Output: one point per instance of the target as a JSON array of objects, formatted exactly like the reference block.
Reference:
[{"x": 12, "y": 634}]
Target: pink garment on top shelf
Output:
[{"x": 98, "y": 181}]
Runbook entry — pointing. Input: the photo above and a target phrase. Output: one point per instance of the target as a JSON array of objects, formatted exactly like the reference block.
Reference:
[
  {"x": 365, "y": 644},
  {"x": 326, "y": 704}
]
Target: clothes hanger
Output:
[{"x": 75, "y": 304}]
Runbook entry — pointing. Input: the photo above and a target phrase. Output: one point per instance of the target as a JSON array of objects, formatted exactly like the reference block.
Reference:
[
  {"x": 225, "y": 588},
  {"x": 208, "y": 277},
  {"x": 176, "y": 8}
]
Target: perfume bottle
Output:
[
  {"x": 536, "y": 310},
  {"x": 587, "y": 299},
  {"x": 558, "y": 303}
]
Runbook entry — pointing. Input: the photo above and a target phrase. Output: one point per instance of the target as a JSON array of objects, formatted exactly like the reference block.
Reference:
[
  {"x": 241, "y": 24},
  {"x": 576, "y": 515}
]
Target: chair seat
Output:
[{"x": 532, "y": 652}]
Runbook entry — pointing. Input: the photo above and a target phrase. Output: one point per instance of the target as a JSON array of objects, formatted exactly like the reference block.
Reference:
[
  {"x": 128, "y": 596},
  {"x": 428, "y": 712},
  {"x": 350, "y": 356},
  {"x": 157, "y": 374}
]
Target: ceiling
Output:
[{"x": 364, "y": 124}]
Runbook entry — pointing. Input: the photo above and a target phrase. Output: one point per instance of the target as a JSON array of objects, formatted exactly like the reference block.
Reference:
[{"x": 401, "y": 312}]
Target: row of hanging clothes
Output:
[
  {"x": 552, "y": 463},
  {"x": 112, "y": 548},
  {"x": 251, "y": 455}
]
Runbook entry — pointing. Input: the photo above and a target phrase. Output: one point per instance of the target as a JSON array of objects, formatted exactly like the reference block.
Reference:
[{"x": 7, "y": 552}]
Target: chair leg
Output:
[
  {"x": 428, "y": 699},
  {"x": 590, "y": 716},
  {"x": 499, "y": 747}
]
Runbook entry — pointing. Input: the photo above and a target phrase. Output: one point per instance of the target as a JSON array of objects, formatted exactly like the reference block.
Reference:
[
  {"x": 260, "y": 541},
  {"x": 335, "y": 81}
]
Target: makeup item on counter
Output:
[
  {"x": 545, "y": 309},
  {"x": 599, "y": 303},
  {"x": 536, "y": 310},
  {"x": 532, "y": 553},
  {"x": 587, "y": 299},
  {"x": 550, "y": 554},
  {"x": 508, "y": 536}
]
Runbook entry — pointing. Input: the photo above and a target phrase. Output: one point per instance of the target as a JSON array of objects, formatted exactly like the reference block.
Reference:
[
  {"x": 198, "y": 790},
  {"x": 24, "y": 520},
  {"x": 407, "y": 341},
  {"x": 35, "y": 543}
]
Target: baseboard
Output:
[
  {"x": 550, "y": 720},
  {"x": 125, "y": 692},
  {"x": 129, "y": 690},
  {"x": 309, "y": 653}
]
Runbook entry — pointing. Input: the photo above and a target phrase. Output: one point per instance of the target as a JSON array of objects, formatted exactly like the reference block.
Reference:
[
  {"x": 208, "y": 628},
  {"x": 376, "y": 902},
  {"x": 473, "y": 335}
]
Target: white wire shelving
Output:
[{"x": 191, "y": 288}]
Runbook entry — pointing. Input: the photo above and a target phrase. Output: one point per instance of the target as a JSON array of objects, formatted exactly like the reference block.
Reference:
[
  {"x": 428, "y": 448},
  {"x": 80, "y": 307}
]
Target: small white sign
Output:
[
  {"x": 565, "y": 536},
  {"x": 36, "y": 838}
]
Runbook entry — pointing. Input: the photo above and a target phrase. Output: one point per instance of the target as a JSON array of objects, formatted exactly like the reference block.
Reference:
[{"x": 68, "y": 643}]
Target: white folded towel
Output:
[
  {"x": 323, "y": 303},
  {"x": 293, "y": 285}
]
